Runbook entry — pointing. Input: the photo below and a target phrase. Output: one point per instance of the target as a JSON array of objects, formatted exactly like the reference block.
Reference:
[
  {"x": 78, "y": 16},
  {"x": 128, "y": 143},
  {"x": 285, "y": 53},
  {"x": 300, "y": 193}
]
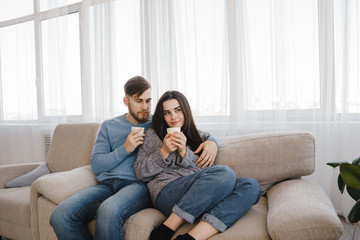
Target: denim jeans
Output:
[
  {"x": 110, "y": 203},
  {"x": 213, "y": 193}
]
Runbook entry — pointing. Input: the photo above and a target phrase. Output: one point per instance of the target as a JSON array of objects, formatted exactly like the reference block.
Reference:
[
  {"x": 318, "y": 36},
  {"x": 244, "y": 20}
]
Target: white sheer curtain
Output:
[
  {"x": 188, "y": 51},
  {"x": 245, "y": 66},
  {"x": 112, "y": 50},
  {"x": 347, "y": 85}
]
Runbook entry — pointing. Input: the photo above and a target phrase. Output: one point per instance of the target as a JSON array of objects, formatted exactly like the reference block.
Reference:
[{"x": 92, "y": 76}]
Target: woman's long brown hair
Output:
[{"x": 189, "y": 129}]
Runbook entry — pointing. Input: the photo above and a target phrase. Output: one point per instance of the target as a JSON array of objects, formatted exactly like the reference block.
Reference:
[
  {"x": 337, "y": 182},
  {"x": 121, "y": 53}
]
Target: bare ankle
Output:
[
  {"x": 174, "y": 221},
  {"x": 203, "y": 230}
]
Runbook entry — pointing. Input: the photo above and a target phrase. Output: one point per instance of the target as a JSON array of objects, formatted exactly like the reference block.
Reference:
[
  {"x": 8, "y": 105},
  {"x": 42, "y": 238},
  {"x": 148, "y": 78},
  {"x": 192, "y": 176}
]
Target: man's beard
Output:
[{"x": 139, "y": 117}]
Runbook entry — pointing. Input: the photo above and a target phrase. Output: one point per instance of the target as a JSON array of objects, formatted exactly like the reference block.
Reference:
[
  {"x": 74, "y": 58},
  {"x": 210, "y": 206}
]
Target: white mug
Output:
[
  {"x": 135, "y": 128},
  {"x": 171, "y": 130}
]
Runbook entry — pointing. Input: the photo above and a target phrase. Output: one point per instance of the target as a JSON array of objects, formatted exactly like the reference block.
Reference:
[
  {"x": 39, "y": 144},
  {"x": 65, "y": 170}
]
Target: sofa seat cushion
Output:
[
  {"x": 252, "y": 226},
  {"x": 300, "y": 209},
  {"x": 139, "y": 225},
  {"x": 15, "y": 205}
]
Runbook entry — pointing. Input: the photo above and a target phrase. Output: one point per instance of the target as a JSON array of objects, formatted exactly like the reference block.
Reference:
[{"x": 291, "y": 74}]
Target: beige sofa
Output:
[
  {"x": 22, "y": 210},
  {"x": 291, "y": 207}
]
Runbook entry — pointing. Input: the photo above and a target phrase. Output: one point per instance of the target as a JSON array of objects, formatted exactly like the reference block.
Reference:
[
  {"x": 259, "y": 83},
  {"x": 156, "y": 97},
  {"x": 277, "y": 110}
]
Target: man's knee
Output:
[
  {"x": 108, "y": 213},
  {"x": 62, "y": 214},
  {"x": 56, "y": 217}
]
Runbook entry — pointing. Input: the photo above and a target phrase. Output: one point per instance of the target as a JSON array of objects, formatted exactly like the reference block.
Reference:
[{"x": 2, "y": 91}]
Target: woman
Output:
[{"x": 178, "y": 187}]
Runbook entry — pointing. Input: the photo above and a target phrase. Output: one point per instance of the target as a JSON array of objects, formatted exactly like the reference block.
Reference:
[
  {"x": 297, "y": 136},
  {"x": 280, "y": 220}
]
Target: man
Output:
[{"x": 119, "y": 194}]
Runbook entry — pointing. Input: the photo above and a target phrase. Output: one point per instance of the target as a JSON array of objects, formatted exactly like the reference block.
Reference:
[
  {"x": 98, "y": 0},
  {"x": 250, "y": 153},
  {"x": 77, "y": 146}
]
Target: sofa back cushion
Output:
[
  {"x": 268, "y": 157},
  {"x": 71, "y": 146}
]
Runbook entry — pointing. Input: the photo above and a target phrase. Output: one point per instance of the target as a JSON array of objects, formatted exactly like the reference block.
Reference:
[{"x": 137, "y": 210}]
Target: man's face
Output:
[{"x": 139, "y": 107}]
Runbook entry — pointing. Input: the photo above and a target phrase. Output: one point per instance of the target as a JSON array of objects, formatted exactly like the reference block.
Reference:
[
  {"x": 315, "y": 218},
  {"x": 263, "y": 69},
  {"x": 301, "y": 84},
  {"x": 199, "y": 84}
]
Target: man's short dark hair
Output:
[{"x": 136, "y": 86}]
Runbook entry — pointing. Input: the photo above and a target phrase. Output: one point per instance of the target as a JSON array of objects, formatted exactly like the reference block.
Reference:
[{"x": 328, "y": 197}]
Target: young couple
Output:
[{"x": 183, "y": 185}]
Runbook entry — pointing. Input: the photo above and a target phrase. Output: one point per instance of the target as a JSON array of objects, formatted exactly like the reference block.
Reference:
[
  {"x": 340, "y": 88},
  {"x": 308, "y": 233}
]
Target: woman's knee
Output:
[
  {"x": 221, "y": 178},
  {"x": 255, "y": 184},
  {"x": 253, "y": 187},
  {"x": 224, "y": 173}
]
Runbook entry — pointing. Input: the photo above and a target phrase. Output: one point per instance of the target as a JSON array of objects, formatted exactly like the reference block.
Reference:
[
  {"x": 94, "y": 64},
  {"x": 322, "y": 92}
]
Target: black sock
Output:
[
  {"x": 161, "y": 232},
  {"x": 185, "y": 237}
]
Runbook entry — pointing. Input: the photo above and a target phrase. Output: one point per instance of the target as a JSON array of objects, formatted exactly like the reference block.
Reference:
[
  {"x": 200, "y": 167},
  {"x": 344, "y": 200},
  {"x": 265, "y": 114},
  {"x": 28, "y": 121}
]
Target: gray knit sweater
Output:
[{"x": 151, "y": 168}]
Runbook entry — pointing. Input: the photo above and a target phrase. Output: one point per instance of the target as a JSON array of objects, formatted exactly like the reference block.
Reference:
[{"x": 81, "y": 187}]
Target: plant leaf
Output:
[
  {"x": 334, "y": 164},
  {"x": 356, "y": 161},
  {"x": 341, "y": 184},
  {"x": 354, "y": 214},
  {"x": 350, "y": 174},
  {"x": 354, "y": 193}
]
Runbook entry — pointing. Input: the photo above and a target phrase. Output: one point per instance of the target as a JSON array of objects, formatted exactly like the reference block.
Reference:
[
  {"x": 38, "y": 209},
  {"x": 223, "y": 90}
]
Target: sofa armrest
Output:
[
  {"x": 9, "y": 172},
  {"x": 300, "y": 209},
  {"x": 58, "y": 186}
]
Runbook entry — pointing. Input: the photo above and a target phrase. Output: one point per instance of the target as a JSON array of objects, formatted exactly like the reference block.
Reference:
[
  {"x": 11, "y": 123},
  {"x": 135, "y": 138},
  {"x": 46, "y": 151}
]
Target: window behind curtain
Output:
[
  {"x": 278, "y": 67},
  {"x": 280, "y": 54},
  {"x": 347, "y": 55},
  {"x": 115, "y": 53},
  {"x": 17, "y": 72},
  {"x": 61, "y": 65},
  {"x": 40, "y": 62},
  {"x": 194, "y": 54},
  {"x": 10, "y": 9},
  {"x": 202, "y": 55},
  {"x": 51, "y": 4},
  {"x": 44, "y": 74}
]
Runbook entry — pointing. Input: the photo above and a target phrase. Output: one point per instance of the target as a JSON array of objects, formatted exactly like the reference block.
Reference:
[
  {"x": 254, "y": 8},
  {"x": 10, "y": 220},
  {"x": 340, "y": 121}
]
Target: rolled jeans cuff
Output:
[
  {"x": 184, "y": 215},
  {"x": 214, "y": 221}
]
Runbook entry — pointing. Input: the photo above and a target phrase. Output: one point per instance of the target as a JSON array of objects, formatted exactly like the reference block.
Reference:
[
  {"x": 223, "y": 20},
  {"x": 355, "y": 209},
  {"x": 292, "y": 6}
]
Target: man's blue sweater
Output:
[{"x": 109, "y": 158}]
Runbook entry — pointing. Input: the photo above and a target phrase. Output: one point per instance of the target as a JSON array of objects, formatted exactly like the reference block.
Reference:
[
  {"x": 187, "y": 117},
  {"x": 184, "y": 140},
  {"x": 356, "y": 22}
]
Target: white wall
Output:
[{"x": 23, "y": 143}]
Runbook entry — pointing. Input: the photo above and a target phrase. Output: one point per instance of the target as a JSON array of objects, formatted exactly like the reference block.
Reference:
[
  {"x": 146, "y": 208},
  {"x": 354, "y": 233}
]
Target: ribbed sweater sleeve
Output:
[
  {"x": 149, "y": 161},
  {"x": 103, "y": 159}
]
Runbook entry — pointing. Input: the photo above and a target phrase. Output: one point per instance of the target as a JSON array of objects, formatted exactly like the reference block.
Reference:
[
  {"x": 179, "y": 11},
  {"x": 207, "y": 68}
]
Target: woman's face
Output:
[{"x": 173, "y": 114}]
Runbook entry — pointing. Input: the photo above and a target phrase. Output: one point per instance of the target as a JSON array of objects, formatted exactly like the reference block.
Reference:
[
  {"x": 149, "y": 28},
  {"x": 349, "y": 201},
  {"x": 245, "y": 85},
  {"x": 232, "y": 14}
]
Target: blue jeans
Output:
[
  {"x": 213, "y": 193},
  {"x": 110, "y": 203}
]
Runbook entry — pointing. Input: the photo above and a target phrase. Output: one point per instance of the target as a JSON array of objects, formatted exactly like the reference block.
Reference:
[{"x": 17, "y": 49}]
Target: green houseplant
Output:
[{"x": 349, "y": 176}]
